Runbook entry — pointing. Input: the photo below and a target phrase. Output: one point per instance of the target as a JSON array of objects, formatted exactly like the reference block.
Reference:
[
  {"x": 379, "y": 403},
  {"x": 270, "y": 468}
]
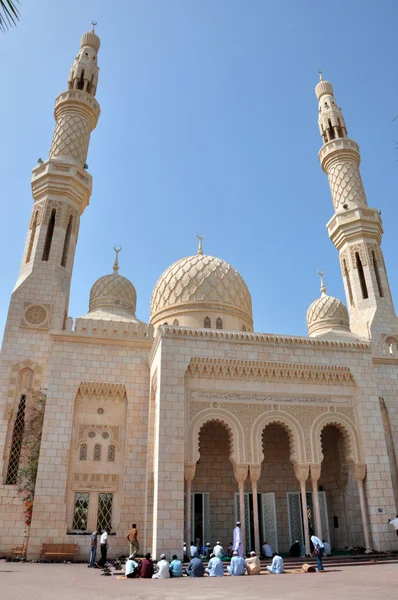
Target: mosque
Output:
[{"x": 191, "y": 421}]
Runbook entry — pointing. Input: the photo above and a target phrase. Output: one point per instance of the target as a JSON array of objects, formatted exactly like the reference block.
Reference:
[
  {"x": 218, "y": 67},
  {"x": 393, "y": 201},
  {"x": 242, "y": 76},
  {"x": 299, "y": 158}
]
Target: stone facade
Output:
[{"x": 193, "y": 421}]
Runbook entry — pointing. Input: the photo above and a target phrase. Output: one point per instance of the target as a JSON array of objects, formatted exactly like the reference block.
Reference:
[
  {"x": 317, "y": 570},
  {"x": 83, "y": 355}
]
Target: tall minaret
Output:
[
  {"x": 61, "y": 188},
  {"x": 355, "y": 229}
]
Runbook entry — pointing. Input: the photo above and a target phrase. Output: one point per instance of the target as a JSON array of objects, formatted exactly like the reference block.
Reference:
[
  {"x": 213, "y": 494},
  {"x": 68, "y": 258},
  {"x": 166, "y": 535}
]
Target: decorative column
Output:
[
  {"x": 189, "y": 474},
  {"x": 255, "y": 472},
  {"x": 301, "y": 472},
  {"x": 240, "y": 472},
  {"x": 315, "y": 475},
  {"x": 359, "y": 471}
]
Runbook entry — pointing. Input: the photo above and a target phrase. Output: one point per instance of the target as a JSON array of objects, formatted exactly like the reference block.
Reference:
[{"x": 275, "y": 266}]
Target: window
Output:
[
  {"x": 104, "y": 520},
  {"x": 243, "y": 327},
  {"x": 377, "y": 273},
  {"x": 331, "y": 130},
  {"x": 49, "y": 236},
  {"x": 32, "y": 237},
  {"x": 83, "y": 452},
  {"x": 207, "y": 323},
  {"x": 64, "y": 259},
  {"x": 97, "y": 452},
  {"x": 361, "y": 276},
  {"x": 347, "y": 278},
  {"x": 80, "y": 511},
  {"x": 219, "y": 323},
  {"x": 16, "y": 443},
  {"x": 175, "y": 322},
  {"x": 111, "y": 453}
]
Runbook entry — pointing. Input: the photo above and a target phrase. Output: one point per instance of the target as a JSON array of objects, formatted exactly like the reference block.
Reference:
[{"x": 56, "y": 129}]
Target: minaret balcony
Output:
[
  {"x": 338, "y": 145},
  {"x": 355, "y": 223},
  {"x": 62, "y": 178}
]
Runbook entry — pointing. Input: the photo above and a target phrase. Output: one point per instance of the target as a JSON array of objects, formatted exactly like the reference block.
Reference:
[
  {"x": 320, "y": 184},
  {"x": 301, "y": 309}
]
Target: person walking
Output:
[
  {"x": 93, "y": 547},
  {"x": 133, "y": 539},
  {"x": 318, "y": 551}
]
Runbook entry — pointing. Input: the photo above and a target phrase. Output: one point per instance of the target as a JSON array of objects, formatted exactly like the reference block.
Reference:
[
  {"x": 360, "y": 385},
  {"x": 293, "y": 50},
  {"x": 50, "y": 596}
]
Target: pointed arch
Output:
[
  {"x": 348, "y": 430},
  {"x": 235, "y": 430},
  {"x": 291, "y": 426}
]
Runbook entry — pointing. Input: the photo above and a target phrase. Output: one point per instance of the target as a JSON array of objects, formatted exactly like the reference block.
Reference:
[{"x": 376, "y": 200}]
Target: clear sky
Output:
[{"x": 208, "y": 125}]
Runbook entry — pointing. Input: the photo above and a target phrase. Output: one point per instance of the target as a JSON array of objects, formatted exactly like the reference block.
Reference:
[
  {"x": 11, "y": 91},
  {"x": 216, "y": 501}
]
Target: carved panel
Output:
[
  {"x": 96, "y": 481},
  {"x": 51, "y": 204},
  {"x": 103, "y": 391},
  {"x": 377, "y": 252},
  {"x": 37, "y": 209},
  {"x": 344, "y": 257},
  {"x": 36, "y": 315},
  {"x": 71, "y": 212},
  {"x": 362, "y": 255}
]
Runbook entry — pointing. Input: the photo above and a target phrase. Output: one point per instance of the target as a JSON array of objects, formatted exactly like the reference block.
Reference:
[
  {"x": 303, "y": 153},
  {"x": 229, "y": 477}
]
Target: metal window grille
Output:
[
  {"x": 104, "y": 520},
  {"x": 207, "y": 323},
  {"x": 80, "y": 511},
  {"x": 83, "y": 452},
  {"x": 111, "y": 453},
  {"x": 97, "y": 452},
  {"x": 16, "y": 443}
]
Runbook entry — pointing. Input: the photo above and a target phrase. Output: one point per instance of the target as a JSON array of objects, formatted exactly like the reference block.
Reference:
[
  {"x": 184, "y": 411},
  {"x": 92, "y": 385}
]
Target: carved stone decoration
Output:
[
  {"x": 376, "y": 250},
  {"x": 71, "y": 212},
  {"x": 232, "y": 424},
  {"x": 108, "y": 432},
  {"x": 36, "y": 214},
  {"x": 104, "y": 391},
  {"x": 96, "y": 481},
  {"x": 344, "y": 261},
  {"x": 240, "y": 472},
  {"x": 301, "y": 471},
  {"x": 346, "y": 424},
  {"x": 58, "y": 206},
  {"x": 189, "y": 471},
  {"x": 362, "y": 255},
  {"x": 35, "y": 314},
  {"x": 359, "y": 471},
  {"x": 346, "y": 184},
  {"x": 267, "y": 399}
]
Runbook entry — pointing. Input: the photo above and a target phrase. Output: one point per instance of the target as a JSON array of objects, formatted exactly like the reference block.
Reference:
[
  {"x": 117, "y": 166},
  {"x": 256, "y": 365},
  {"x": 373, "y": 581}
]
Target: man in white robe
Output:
[{"x": 238, "y": 547}]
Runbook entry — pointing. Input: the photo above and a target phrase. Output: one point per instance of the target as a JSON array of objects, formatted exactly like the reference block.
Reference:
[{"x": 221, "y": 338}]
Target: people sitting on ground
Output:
[
  {"x": 175, "y": 567},
  {"x": 237, "y": 566},
  {"x": 162, "y": 568},
  {"x": 215, "y": 567},
  {"x": 218, "y": 550},
  {"x": 132, "y": 568},
  {"x": 230, "y": 550},
  {"x": 277, "y": 565},
  {"x": 146, "y": 571},
  {"x": 195, "y": 568},
  {"x": 327, "y": 551},
  {"x": 295, "y": 549},
  {"x": 193, "y": 551},
  {"x": 267, "y": 550},
  {"x": 253, "y": 565},
  {"x": 206, "y": 551}
]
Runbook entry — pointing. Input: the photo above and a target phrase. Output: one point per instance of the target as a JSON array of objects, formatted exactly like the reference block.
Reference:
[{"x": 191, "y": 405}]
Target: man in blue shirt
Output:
[
  {"x": 318, "y": 551},
  {"x": 238, "y": 565},
  {"x": 131, "y": 567},
  {"x": 215, "y": 567},
  {"x": 195, "y": 568},
  {"x": 175, "y": 567}
]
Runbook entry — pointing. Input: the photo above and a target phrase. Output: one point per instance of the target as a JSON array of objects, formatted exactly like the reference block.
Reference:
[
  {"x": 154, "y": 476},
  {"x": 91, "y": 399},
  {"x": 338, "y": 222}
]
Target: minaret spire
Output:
[
  {"x": 355, "y": 229},
  {"x": 323, "y": 288},
  {"x": 116, "y": 263},
  {"x": 200, "y": 238}
]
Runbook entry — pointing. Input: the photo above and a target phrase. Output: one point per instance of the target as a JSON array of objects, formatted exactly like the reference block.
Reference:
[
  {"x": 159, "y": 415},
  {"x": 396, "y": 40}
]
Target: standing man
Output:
[
  {"x": 318, "y": 551},
  {"x": 104, "y": 547},
  {"x": 132, "y": 538},
  {"x": 93, "y": 547},
  {"x": 237, "y": 540}
]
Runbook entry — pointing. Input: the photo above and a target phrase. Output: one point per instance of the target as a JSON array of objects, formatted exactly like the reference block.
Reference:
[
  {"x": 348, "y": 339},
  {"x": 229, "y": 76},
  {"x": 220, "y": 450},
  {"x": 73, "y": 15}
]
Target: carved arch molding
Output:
[{"x": 246, "y": 422}]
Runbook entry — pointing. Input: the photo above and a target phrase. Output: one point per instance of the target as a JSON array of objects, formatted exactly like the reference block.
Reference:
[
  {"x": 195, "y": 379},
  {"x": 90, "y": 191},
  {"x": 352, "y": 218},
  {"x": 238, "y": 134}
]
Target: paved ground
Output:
[{"x": 31, "y": 581}]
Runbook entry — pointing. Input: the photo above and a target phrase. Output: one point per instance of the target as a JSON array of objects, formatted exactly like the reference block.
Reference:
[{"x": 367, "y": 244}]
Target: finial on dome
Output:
[
  {"x": 323, "y": 288},
  {"x": 200, "y": 238},
  {"x": 93, "y": 23},
  {"x": 320, "y": 74},
  {"x": 116, "y": 263}
]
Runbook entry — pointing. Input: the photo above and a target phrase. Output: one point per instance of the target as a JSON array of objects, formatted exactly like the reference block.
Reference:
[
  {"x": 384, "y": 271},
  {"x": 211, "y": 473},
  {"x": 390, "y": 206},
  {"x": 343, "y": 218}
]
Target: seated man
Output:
[
  {"x": 193, "y": 551},
  {"x": 295, "y": 549},
  {"x": 132, "y": 567},
  {"x": 267, "y": 550},
  {"x": 253, "y": 565},
  {"x": 206, "y": 551},
  {"x": 195, "y": 568},
  {"x": 327, "y": 551},
  {"x": 238, "y": 565},
  {"x": 230, "y": 550},
  {"x": 277, "y": 565},
  {"x": 146, "y": 567},
  {"x": 215, "y": 567},
  {"x": 162, "y": 568},
  {"x": 175, "y": 567},
  {"x": 218, "y": 550}
]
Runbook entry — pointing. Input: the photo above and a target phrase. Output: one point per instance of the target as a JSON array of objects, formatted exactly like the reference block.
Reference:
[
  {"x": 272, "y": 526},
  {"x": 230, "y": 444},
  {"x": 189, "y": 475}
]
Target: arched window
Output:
[
  {"x": 377, "y": 273},
  {"x": 32, "y": 237},
  {"x": 243, "y": 327},
  {"x": 219, "y": 323},
  {"x": 111, "y": 453},
  {"x": 175, "y": 322},
  {"x": 97, "y": 452},
  {"x": 64, "y": 259},
  {"x": 49, "y": 236},
  {"x": 83, "y": 452},
  {"x": 207, "y": 323},
  {"x": 347, "y": 278},
  {"x": 16, "y": 443},
  {"x": 361, "y": 276}
]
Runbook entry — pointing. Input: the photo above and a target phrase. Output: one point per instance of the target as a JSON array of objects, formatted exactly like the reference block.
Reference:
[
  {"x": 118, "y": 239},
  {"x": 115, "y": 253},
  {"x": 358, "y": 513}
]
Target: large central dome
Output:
[{"x": 202, "y": 291}]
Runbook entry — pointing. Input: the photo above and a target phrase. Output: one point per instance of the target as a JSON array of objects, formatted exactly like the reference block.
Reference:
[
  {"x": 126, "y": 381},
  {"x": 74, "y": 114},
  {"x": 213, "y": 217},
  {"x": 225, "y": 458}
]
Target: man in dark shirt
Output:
[
  {"x": 93, "y": 547},
  {"x": 146, "y": 567},
  {"x": 295, "y": 549},
  {"x": 195, "y": 568}
]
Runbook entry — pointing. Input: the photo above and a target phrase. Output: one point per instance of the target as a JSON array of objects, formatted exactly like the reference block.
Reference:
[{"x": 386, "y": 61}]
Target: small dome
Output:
[
  {"x": 205, "y": 284},
  {"x": 90, "y": 39},
  {"x": 323, "y": 87},
  {"x": 326, "y": 314}
]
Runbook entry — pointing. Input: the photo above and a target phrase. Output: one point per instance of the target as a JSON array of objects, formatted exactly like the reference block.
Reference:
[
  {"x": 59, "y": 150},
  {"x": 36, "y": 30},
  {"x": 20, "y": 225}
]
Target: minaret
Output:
[
  {"x": 61, "y": 188},
  {"x": 355, "y": 229}
]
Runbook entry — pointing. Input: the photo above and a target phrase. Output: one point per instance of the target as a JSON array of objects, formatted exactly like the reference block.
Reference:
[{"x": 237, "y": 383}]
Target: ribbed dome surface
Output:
[
  {"x": 113, "y": 291},
  {"x": 327, "y": 312},
  {"x": 202, "y": 280},
  {"x": 90, "y": 39}
]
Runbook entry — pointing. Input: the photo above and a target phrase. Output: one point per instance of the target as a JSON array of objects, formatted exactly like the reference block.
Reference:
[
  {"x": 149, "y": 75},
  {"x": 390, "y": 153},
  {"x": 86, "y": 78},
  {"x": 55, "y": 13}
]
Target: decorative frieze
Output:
[
  {"x": 96, "y": 481},
  {"x": 266, "y": 399},
  {"x": 105, "y": 391}
]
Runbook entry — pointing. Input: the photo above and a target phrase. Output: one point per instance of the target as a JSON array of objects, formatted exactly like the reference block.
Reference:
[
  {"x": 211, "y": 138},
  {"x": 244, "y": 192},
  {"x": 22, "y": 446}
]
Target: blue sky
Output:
[{"x": 209, "y": 125}]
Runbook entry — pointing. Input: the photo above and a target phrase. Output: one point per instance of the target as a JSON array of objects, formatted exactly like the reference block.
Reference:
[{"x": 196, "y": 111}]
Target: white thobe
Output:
[{"x": 238, "y": 541}]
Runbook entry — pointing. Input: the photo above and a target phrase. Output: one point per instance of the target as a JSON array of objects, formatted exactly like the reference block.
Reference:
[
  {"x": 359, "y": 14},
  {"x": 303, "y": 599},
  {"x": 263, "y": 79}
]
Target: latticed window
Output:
[
  {"x": 244, "y": 328},
  {"x": 219, "y": 323},
  {"x": 111, "y": 453},
  {"x": 176, "y": 322},
  {"x": 207, "y": 323},
  {"x": 83, "y": 452},
  {"x": 16, "y": 443},
  {"x": 104, "y": 520},
  {"x": 97, "y": 452},
  {"x": 80, "y": 511}
]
